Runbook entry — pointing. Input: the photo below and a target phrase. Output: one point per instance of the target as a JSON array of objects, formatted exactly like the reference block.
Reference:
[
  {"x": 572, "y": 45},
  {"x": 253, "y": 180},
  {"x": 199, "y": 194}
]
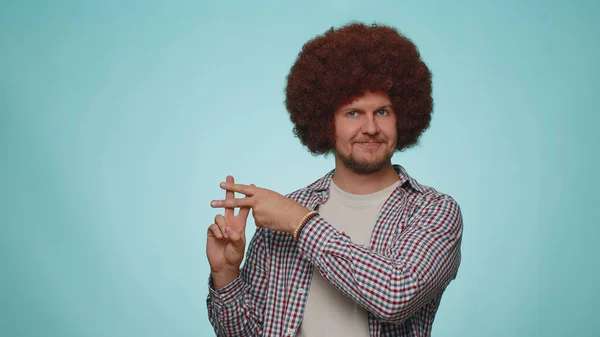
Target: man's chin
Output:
[
  {"x": 365, "y": 167},
  {"x": 366, "y": 170}
]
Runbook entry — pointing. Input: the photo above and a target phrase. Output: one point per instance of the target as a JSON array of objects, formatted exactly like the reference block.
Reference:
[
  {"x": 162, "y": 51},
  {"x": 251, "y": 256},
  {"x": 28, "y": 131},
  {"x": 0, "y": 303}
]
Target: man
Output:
[{"x": 364, "y": 251}]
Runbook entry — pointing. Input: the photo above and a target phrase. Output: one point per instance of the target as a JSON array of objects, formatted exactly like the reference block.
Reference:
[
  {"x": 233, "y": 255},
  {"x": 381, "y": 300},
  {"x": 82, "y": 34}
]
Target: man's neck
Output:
[{"x": 354, "y": 183}]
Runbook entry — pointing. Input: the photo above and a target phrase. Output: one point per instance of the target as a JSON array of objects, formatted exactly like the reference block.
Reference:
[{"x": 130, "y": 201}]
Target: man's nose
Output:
[{"x": 370, "y": 125}]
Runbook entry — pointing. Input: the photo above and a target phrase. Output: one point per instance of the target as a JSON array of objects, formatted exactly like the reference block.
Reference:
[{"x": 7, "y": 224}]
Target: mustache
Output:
[{"x": 369, "y": 140}]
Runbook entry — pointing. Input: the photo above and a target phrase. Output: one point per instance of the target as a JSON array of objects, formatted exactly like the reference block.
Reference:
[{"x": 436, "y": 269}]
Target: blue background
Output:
[{"x": 118, "y": 119}]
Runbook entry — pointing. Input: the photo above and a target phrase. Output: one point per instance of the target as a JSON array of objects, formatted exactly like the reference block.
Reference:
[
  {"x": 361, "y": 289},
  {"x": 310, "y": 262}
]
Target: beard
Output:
[{"x": 364, "y": 167}]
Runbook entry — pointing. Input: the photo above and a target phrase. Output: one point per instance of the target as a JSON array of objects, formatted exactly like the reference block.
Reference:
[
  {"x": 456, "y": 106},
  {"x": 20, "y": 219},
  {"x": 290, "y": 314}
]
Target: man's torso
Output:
[{"x": 328, "y": 312}]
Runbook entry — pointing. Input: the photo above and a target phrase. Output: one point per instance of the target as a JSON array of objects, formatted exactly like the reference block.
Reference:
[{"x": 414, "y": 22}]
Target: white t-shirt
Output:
[{"x": 329, "y": 313}]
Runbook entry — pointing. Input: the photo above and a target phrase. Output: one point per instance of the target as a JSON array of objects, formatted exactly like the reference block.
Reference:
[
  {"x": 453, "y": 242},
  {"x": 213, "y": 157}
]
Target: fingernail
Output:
[{"x": 213, "y": 203}]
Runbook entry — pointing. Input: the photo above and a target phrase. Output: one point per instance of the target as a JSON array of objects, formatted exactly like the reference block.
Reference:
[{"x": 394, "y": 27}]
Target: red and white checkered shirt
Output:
[{"x": 413, "y": 254}]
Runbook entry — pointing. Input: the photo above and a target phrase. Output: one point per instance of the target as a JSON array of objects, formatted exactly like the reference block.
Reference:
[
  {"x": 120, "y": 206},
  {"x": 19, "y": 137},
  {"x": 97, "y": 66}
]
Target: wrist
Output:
[
  {"x": 300, "y": 226},
  {"x": 223, "y": 277},
  {"x": 296, "y": 217}
]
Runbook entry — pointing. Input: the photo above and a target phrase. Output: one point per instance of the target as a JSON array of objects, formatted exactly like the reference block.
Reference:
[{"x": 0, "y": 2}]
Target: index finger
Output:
[
  {"x": 239, "y": 188},
  {"x": 229, "y": 195}
]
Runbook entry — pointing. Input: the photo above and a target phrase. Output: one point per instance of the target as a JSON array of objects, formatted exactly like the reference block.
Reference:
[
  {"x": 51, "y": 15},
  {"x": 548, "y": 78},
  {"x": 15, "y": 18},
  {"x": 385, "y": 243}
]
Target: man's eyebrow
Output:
[{"x": 350, "y": 108}]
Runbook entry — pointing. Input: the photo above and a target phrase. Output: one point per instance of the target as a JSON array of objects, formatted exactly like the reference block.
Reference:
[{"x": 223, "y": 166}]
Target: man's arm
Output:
[
  {"x": 424, "y": 259},
  {"x": 237, "y": 308}
]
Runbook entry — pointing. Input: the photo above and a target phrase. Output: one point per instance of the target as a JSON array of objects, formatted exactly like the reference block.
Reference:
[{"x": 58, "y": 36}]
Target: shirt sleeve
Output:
[
  {"x": 235, "y": 310},
  {"x": 423, "y": 260}
]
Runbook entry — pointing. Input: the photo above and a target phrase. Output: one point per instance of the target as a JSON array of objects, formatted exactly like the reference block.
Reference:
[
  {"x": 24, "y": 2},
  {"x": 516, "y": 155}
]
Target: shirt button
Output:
[
  {"x": 301, "y": 291},
  {"x": 290, "y": 331}
]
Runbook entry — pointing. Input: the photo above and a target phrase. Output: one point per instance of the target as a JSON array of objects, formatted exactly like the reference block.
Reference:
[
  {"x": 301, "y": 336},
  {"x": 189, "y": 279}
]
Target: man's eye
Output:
[
  {"x": 382, "y": 112},
  {"x": 352, "y": 113}
]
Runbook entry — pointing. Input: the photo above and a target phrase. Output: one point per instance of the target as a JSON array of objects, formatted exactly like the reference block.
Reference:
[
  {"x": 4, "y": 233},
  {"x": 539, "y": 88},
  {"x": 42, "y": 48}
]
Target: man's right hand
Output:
[{"x": 226, "y": 243}]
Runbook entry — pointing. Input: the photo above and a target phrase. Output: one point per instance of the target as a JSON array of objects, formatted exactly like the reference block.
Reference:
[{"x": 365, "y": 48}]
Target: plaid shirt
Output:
[{"x": 413, "y": 254}]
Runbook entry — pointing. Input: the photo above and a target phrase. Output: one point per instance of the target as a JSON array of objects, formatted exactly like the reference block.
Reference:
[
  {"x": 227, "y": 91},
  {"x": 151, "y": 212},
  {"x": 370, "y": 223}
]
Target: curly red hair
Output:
[{"x": 342, "y": 64}]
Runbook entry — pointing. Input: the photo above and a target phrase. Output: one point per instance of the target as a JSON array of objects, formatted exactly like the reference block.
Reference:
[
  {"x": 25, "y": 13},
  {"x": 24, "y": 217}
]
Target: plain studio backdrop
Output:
[{"x": 118, "y": 120}]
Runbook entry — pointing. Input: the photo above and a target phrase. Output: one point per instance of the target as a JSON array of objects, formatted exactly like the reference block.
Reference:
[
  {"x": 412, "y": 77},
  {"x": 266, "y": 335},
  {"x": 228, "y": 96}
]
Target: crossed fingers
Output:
[
  {"x": 221, "y": 228},
  {"x": 230, "y": 202}
]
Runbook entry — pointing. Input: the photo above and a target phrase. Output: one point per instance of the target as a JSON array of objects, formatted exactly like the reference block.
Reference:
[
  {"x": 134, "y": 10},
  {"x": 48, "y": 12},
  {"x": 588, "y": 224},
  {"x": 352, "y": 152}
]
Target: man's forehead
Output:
[{"x": 368, "y": 98}]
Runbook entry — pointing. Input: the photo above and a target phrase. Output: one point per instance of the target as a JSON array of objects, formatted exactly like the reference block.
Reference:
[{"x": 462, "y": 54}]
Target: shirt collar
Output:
[{"x": 405, "y": 181}]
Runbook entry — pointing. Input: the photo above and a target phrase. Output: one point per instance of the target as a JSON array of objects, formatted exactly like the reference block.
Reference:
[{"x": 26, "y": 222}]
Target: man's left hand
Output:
[{"x": 269, "y": 208}]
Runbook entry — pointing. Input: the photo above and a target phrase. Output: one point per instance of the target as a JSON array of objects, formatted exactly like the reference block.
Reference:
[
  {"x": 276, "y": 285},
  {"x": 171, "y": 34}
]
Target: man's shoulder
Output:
[
  {"x": 306, "y": 193},
  {"x": 425, "y": 199},
  {"x": 433, "y": 204},
  {"x": 301, "y": 195},
  {"x": 426, "y": 194}
]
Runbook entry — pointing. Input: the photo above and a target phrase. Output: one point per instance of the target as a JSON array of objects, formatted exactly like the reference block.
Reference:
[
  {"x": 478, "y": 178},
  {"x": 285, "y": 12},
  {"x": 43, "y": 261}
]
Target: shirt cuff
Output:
[
  {"x": 314, "y": 237},
  {"x": 226, "y": 295}
]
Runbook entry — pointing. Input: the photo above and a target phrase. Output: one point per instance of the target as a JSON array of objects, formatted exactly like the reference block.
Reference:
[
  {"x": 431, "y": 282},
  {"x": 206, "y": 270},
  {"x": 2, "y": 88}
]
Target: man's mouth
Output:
[{"x": 370, "y": 144}]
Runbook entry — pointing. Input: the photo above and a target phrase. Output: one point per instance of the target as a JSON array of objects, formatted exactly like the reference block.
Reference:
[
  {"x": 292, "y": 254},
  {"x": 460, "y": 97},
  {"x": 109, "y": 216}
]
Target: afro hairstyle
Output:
[{"x": 341, "y": 65}]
